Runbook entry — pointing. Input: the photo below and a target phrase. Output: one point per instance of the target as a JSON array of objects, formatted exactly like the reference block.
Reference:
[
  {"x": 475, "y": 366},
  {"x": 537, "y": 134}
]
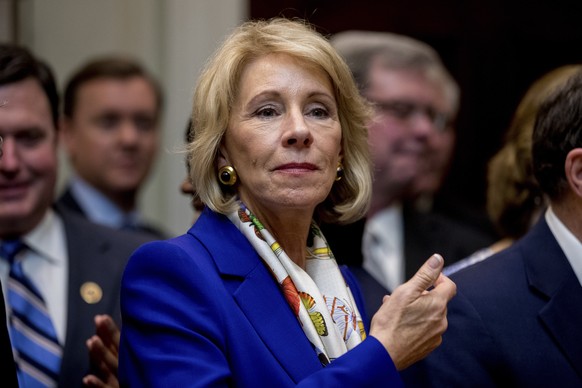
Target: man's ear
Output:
[{"x": 573, "y": 169}]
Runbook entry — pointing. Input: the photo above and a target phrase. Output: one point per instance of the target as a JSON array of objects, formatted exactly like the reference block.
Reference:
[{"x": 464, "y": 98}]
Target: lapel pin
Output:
[{"x": 91, "y": 292}]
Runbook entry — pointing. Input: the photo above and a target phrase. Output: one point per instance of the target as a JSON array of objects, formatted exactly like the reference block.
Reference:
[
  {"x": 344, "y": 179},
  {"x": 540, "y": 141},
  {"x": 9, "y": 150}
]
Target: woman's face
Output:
[{"x": 284, "y": 135}]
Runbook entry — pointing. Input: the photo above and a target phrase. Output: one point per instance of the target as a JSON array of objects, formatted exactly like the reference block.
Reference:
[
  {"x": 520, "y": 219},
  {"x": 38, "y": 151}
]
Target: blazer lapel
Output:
[
  {"x": 551, "y": 274},
  {"x": 258, "y": 294}
]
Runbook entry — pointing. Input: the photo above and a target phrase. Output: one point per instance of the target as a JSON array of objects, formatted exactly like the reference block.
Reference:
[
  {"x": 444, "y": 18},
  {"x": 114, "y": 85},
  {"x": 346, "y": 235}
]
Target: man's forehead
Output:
[
  {"x": 24, "y": 103},
  {"x": 412, "y": 85},
  {"x": 117, "y": 95}
]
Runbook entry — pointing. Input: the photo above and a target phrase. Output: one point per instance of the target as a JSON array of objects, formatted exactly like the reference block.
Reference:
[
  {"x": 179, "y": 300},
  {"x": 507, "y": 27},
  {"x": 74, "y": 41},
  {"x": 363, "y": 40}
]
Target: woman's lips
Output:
[{"x": 297, "y": 167}]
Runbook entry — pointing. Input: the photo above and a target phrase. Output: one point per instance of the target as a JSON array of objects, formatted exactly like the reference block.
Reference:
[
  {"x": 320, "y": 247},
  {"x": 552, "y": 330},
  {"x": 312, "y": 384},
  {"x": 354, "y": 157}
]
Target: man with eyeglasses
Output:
[{"x": 411, "y": 136}]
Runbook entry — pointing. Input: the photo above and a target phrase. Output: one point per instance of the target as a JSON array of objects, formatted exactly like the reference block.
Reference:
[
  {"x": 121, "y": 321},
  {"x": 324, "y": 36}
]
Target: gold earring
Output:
[
  {"x": 227, "y": 175},
  {"x": 339, "y": 172}
]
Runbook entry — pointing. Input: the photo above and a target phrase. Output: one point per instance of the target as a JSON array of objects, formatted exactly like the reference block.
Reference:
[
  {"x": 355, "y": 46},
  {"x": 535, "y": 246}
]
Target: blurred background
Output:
[{"x": 495, "y": 49}]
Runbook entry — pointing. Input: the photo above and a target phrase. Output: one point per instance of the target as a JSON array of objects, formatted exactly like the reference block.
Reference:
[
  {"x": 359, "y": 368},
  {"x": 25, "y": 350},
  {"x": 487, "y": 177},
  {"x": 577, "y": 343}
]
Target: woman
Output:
[{"x": 251, "y": 295}]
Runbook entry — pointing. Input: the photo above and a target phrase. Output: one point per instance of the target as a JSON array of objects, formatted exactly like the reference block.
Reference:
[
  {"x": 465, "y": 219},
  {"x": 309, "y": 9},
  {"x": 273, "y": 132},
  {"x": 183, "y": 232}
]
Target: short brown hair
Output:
[{"x": 119, "y": 68}]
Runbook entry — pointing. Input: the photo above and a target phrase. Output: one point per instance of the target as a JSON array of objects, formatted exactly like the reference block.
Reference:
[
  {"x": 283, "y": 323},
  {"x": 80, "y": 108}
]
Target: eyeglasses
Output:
[{"x": 406, "y": 110}]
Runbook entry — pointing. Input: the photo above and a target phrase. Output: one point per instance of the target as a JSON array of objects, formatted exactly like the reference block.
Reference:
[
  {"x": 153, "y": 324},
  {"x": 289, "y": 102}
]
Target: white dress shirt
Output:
[
  {"x": 45, "y": 263},
  {"x": 571, "y": 246},
  {"x": 383, "y": 247}
]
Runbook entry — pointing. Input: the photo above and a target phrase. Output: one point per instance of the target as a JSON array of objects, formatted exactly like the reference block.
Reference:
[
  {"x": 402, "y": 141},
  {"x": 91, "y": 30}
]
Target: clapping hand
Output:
[{"x": 104, "y": 353}]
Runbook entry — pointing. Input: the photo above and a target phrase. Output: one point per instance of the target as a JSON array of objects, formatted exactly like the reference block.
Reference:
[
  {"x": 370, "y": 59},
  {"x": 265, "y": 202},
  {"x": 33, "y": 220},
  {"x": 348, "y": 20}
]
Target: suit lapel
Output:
[
  {"x": 418, "y": 231},
  {"x": 83, "y": 253},
  {"x": 550, "y": 273},
  {"x": 258, "y": 295},
  {"x": 68, "y": 201}
]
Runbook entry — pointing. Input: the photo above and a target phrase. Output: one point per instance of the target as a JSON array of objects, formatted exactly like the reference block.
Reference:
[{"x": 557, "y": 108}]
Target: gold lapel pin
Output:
[{"x": 91, "y": 292}]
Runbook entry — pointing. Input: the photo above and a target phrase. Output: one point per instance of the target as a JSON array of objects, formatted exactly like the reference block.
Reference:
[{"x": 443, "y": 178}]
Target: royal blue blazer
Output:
[
  {"x": 203, "y": 310},
  {"x": 516, "y": 322}
]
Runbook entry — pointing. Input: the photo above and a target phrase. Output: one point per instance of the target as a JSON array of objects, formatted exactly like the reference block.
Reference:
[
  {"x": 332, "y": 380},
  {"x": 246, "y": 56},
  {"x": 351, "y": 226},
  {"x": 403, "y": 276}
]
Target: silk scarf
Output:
[{"x": 318, "y": 296}]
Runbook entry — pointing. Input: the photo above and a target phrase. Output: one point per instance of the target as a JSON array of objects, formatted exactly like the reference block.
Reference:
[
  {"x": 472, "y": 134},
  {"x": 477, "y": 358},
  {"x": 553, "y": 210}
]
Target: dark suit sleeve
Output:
[{"x": 464, "y": 357}]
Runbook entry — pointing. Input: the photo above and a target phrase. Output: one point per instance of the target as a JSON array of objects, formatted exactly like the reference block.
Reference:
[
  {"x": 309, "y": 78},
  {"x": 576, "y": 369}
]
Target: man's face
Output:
[
  {"x": 409, "y": 112},
  {"x": 112, "y": 136},
  {"x": 28, "y": 167}
]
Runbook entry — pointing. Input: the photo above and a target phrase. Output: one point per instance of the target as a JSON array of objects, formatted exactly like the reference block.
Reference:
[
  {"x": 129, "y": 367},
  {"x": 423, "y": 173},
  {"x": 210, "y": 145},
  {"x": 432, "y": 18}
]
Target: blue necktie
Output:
[{"x": 36, "y": 349}]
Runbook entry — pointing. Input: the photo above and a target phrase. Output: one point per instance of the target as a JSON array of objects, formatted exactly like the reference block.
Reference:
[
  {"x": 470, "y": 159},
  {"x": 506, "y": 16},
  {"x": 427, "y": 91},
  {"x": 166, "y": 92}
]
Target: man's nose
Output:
[
  {"x": 10, "y": 160},
  {"x": 128, "y": 132}
]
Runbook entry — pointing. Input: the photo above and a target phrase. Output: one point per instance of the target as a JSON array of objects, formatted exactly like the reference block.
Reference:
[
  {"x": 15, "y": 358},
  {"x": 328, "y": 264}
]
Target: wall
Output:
[{"x": 172, "y": 38}]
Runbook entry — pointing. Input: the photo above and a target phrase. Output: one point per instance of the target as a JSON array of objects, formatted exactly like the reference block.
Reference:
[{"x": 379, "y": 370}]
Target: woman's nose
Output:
[{"x": 297, "y": 130}]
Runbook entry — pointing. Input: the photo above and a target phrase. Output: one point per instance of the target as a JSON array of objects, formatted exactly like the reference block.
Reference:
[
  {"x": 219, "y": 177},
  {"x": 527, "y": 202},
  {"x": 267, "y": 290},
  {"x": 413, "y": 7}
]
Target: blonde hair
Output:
[
  {"x": 217, "y": 89},
  {"x": 514, "y": 197}
]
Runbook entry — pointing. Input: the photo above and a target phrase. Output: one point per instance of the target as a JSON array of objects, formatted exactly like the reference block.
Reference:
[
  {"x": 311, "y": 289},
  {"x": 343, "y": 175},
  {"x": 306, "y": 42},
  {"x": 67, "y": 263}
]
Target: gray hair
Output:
[{"x": 398, "y": 52}]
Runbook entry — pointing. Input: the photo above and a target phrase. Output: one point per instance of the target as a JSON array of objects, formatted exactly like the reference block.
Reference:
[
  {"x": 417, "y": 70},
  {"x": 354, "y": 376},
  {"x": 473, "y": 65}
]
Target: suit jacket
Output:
[
  {"x": 203, "y": 310},
  {"x": 67, "y": 200},
  {"x": 516, "y": 321},
  {"x": 372, "y": 292},
  {"x": 96, "y": 254},
  {"x": 425, "y": 233},
  {"x": 9, "y": 379}
]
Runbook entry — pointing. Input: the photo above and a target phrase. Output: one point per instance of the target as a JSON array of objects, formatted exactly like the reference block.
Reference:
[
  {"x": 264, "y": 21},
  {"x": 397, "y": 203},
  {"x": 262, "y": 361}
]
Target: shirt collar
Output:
[
  {"x": 47, "y": 239},
  {"x": 98, "y": 207},
  {"x": 384, "y": 220},
  {"x": 571, "y": 246}
]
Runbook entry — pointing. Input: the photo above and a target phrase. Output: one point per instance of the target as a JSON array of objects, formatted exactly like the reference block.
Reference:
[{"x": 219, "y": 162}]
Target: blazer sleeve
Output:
[{"x": 174, "y": 329}]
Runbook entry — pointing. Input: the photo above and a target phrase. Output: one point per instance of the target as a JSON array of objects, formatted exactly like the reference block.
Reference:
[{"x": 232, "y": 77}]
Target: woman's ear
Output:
[
  {"x": 573, "y": 170},
  {"x": 222, "y": 159}
]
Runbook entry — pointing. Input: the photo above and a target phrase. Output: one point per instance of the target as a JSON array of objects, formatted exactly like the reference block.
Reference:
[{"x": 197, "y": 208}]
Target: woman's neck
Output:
[{"x": 290, "y": 229}]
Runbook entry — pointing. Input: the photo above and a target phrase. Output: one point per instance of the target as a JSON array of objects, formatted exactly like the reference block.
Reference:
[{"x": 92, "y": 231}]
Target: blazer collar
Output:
[
  {"x": 258, "y": 295},
  {"x": 549, "y": 272}
]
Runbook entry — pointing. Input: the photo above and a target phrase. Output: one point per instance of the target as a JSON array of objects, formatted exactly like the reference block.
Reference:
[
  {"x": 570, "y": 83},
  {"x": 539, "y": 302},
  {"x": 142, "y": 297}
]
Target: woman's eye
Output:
[
  {"x": 266, "y": 112},
  {"x": 319, "y": 112}
]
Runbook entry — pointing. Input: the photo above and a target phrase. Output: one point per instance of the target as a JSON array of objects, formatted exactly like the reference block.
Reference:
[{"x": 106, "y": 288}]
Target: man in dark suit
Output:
[
  {"x": 411, "y": 136},
  {"x": 73, "y": 266},
  {"x": 516, "y": 318},
  {"x": 110, "y": 128}
]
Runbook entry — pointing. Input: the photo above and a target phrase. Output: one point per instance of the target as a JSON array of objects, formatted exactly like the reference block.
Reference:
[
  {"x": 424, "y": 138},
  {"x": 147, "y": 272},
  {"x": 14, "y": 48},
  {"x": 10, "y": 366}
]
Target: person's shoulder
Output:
[
  {"x": 177, "y": 260},
  {"x": 462, "y": 230},
  {"x": 151, "y": 231},
  {"x": 67, "y": 201},
  {"x": 495, "y": 275},
  {"x": 78, "y": 227}
]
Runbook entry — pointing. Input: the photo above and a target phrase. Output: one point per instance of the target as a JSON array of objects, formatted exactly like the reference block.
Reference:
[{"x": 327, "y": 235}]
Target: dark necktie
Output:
[{"x": 36, "y": 349}]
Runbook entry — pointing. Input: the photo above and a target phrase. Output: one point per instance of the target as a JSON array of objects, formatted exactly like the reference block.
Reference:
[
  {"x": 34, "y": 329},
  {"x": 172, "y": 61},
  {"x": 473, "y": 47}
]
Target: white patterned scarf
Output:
[{"x": 318, "y": 296}]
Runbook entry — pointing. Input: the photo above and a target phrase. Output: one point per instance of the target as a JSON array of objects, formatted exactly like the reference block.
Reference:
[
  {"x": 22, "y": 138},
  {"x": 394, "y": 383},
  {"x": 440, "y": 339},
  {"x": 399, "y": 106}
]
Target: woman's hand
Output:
[
  {"x": 104, "y": 353},
  {"x": 410, "y": 323}
]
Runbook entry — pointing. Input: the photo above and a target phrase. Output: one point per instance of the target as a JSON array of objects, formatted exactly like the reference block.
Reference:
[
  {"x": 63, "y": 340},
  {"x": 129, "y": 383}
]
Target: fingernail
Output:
[{"x": 435, "y": 261}]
